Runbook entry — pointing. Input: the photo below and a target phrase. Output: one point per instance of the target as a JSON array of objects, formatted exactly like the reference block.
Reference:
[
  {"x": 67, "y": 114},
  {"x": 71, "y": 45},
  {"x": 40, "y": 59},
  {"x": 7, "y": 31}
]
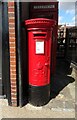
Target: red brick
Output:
[
  {"x": 12, "y": 59},
  {"x": 11, "y": 35},
  {"x": 12, "y": 68},
  {"x": 13, "y": 91},
  {"x": 11, "y": 15},
  {"x": 10, "y": 9},
  {"x": 12, "y": 20},
  {"x": 13, "y": 76},
  {"x": 14, "y": 96},
  {"x": 10, "y": 4},
  {"x": 12, "y": 72},
  {"x": 12, "y": 63},
  {"x": 13, "y": 87},
  {"x": 12, "y": 39},
  {"x": 13, "y": 84},
  {"x": 12, "y": 46},
  {"x": 12, "y": 30},
  {"x": 11, "y": 25},
  {"x": 12, "y": 50},
  {"x": 13, "y": 81},
  {"x": 12, "y": 54}
]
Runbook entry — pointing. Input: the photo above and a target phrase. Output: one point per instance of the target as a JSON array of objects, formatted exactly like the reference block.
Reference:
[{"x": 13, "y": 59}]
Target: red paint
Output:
[{"x": 39, "y": 34}]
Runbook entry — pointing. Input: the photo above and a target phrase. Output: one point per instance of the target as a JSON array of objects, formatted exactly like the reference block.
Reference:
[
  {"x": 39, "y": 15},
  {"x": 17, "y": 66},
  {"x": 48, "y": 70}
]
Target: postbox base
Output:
[{"x": 39, "y": 95}]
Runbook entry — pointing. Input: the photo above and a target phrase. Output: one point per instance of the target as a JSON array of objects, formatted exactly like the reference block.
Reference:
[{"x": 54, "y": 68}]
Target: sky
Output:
[{"x": 67, "y": 12}]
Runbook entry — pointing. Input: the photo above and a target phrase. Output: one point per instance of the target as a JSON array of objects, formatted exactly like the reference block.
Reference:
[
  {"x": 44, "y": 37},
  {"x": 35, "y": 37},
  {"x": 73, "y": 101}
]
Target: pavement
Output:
[{"x": 61, "y": 105}]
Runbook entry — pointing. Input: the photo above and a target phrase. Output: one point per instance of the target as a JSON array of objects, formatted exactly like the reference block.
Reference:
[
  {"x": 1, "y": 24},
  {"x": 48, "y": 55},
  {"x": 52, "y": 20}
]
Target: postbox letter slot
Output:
[{"x": 39, "y": 35}]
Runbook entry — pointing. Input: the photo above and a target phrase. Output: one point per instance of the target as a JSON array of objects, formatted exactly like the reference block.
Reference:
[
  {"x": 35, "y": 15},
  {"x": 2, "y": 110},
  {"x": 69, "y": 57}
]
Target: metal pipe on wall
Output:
[{"x": 18, "y": 48}]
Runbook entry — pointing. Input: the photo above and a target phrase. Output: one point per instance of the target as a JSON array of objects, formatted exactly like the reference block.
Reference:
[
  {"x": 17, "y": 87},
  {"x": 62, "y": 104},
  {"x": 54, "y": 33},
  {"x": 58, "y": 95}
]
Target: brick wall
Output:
[{"x": 12, "y": 49}]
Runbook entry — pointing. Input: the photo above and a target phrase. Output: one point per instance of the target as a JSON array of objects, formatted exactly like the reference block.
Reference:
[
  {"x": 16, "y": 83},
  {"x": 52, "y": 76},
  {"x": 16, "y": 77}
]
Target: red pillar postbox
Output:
[{"x": 39, "y": 55}]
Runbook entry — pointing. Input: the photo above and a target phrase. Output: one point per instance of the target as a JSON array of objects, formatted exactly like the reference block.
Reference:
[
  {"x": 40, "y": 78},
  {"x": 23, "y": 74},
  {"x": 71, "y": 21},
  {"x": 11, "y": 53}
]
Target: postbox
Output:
[{"x": 39, "y": 59}]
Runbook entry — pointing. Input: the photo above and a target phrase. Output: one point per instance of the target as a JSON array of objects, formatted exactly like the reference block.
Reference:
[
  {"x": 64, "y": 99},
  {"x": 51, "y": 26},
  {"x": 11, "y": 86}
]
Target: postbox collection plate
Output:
[{"x": 39, "y": 47}]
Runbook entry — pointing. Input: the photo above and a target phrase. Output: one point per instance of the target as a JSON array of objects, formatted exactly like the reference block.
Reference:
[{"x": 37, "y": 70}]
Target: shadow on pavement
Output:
[{"x": 61, "y": 78}]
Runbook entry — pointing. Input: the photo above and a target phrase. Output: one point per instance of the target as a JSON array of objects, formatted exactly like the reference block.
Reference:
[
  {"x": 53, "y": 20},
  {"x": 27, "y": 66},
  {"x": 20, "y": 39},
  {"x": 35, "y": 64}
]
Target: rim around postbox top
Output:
[{"x": 40, "y": 23}]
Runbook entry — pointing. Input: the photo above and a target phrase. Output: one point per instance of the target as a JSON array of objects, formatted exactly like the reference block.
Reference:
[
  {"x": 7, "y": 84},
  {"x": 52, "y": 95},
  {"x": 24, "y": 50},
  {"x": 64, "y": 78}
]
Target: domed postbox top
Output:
[{"x": 40, "y": 23}]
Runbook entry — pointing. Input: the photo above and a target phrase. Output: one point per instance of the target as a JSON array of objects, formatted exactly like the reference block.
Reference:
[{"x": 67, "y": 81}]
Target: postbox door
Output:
[{"x": 39, "y": 59}]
